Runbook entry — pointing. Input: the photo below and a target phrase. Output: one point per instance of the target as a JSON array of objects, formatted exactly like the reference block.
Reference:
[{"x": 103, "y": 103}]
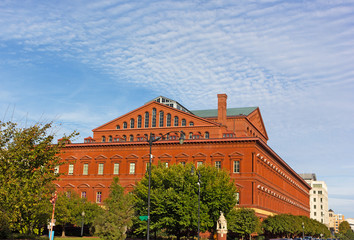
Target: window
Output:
[
  {"x": 319, "y": 192},
  {"x": 125, "y": 125},
  {"x": 147, "y": 119},
  {"x": 153, "y": 117},
  {"x": 237, "y": 198},
  {"x": 161, "y": 119},
  {"x": 166, "y": 164},
  {"x": 236, "y": 166},
  {"x": 218, "y": 164},
  {"x": 191, "y": 123},
  {"x": 176, "y": 121},
  {"x": 314, "y": 206},
  {"x": 124, "y": 137},
  {"x": 83, "y": 194},
  {"x": 117, "y": 127},
  {"x": 183, "y": 163},
  {"x": 103, "y": 138},
  {"x": 314, "y": 199},
  {"x": 206, "y": 135},
  {"x": 314, "y": 192},
  {"x": 132, "y": 122},
  {"x": 314, "y": 213},
  {"x": 116, "y": 169},
  {"x": 168, "y": 121},
  {"x": 321, "y": 207},
  {"x": 200, "y": 163},
  {"x": 56, "y": 170},
  {"x": 110, "y": 138},
  {"x": 139, "y": 121},
  {"x": 190, "y": 135},
  {"x": 98, "y": 197},
  {"x": 71, "y": 169},
  {"x": 131, "y": 138},
  {"x": 132, "y": 168},
  {"x": 100, "y": 169},
  {"x": 85, "y": 169},
  {"x": 320, "y": 199},
  {"x": 184, "y": 123}
]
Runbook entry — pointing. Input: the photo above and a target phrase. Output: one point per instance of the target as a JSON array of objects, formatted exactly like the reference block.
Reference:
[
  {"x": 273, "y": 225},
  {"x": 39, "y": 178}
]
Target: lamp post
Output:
[
  {"x": 82, "y": 223},
  {"x": 198, "y": 173},
  {"x": 151, "y": 140},
  {"x": 303, "y": 230}
]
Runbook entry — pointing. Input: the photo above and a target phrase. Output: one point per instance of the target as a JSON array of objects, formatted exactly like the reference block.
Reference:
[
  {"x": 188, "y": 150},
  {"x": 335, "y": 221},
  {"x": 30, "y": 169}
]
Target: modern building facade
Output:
[
  {"x": 234, "y": 139},
  {"x": 334, "y": 221},
  {"x": 318, "y": 198}
]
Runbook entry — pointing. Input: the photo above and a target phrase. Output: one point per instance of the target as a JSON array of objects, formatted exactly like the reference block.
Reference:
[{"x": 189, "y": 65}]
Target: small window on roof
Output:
[{"x": 191, "y": 123}]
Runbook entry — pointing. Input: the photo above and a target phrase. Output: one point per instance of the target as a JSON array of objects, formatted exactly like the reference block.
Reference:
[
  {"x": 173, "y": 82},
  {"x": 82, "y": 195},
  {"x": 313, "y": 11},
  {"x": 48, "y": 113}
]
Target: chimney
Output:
[{"x": 222, "y": 108}]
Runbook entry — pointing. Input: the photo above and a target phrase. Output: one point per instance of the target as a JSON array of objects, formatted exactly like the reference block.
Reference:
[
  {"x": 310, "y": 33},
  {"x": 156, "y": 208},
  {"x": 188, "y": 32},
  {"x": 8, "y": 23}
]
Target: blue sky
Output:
[{"x": 84, "y": 63}]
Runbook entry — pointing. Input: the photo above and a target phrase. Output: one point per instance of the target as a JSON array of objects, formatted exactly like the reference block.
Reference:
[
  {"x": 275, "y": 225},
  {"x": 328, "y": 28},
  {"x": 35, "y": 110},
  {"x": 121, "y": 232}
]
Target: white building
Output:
[
  {"x": 351, "y": 222},
  {"x": 318, "y": 198}
]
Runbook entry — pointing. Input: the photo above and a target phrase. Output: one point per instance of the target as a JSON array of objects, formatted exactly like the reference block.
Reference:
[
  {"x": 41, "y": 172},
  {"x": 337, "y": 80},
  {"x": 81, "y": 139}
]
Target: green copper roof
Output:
[{"x": 230, "y": 112}]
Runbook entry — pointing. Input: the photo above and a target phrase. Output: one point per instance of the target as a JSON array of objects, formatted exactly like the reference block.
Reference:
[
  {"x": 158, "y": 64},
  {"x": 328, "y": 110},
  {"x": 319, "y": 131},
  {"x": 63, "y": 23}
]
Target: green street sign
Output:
[{"x": 143, "y": 218}]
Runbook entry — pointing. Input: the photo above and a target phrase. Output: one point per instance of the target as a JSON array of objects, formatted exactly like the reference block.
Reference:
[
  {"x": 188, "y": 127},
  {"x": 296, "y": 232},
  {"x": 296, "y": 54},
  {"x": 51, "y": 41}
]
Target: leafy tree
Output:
[
  {"x": 68, "y": 209},
  {"x": 287, "y": 226},
  {"x": 242, "y": 222},
  {"x": 27, "y": 162},
  {"x": 344, "y": 227},
  {"x": 174, "y": 199},
  {"x": 117, "y": 216}
]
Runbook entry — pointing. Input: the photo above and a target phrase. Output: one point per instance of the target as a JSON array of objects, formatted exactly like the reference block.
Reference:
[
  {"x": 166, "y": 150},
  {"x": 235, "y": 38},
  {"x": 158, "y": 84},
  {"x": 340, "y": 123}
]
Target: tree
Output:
[
  {"x": 174, "y": 199},
  {"x": 117, "y": 216},
  {"x": 68, "y": 209},
  {"x": 344, "y": 227},
  {"x": 27, "y": 162},
  {"x": 242, "y": 222}
]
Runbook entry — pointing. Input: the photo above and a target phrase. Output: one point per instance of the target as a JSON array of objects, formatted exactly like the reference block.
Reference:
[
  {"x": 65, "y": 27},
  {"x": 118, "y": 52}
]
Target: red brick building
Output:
[{"x": 234, "y": 139}]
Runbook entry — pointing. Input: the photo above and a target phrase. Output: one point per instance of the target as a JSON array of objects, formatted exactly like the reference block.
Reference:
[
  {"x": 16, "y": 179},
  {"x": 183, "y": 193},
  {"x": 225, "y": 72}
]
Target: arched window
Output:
[
  {"x": 125, "y": 125},
  {"x": 117, "y": 127},
  {"x": 110, "y": 138},
  {"x": 147, "y": 119},
  {"x": 184, "y": 123},
  {"x": 103, "y": 138},
  {"x": 206, "y": 135},
  {"x": 124, "y": 138},
  {"x": 191, "y": 123},
  {"x": 153, "y": 124},
  {"x": 176, "y": 121},
  {"x": 131, "y": 138},
  {"x": 161, "y": 118},
  {"x": 190, "y": 135},
  {"x": 132, "y": 123},
  {"x": 139, "y": 121},
  {"x": 168, "y": 121}
]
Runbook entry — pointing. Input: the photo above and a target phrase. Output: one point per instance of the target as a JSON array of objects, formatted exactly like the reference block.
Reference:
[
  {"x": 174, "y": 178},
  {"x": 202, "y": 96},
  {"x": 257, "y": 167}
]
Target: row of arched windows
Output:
[
  {"x": 162, "y": 120},
  {"x": 131, "y": 138}
]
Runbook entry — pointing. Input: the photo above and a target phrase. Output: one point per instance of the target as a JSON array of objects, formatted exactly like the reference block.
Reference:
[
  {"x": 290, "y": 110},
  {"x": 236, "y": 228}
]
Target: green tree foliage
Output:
[
  {"x": 290, "y": 226},
  {"x": 27, "y": 161},
  {"x": 117, "y": 215},
  {"x": 344, "y": 227},
  {"x": 174, "y": 199},
  {"x": 242, "y": 222}
]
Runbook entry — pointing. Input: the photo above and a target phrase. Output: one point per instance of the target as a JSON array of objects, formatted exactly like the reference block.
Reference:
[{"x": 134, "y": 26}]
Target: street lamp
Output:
[
  {"x": 198, "y": 173},
  {"x": 82, "y": 223},
  {"x": 151, "y": 140},
  {"x": 303, "y": 230}
]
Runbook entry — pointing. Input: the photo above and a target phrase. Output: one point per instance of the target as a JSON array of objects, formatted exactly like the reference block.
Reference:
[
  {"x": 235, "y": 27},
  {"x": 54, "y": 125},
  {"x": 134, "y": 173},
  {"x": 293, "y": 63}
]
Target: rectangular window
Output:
[
  {"x": 218, "y": 164},
  {"x": 166, "y": 164},
  {"x": 98, "y": 197},
  {"x": 319, "y": 192},
  {"x": 56, "y": 170},
  {"x": 320, "y": 199},
  {"x": 71, "y": 169},
  {"x": 314, "y": 199},
  {"x": 314, "y": 206},
  {"x": 237, "y": 198},
  {"x": 116, "y": 169},
  {"x": 200, "y": 163},
  {"x": 85, "y": 169},
  {"x": 236, "y": 166},
  {"x": 132, "y": 168},
  {"x": 83, "y": 194},
  {"x": 183, "y": 163},
  {"x": 100, "y": 169}
]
